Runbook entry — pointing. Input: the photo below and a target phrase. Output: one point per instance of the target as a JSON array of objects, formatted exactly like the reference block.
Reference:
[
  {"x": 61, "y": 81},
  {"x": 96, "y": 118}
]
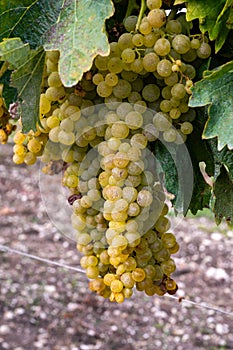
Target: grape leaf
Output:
[
  {"x": 178, "y": 172},
  {"x": 216, "y": 19},
  {"x": 9, "y": 93},
  {"x": 223, "y": 157},
  {"x": 79, "y": 35},
  {"x": 28, "y": 19},
  {"x": 200, "y": 151},
  {"x": 216, "y": 90},
  {"x": 27, "y": 79},
  {"x": 14, "y": 51},
  {"x": 223, "y": 192}
]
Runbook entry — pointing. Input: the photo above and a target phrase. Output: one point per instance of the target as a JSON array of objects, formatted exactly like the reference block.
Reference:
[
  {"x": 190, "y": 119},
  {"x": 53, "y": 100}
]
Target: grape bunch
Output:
[{"x": 99, "y": 133}]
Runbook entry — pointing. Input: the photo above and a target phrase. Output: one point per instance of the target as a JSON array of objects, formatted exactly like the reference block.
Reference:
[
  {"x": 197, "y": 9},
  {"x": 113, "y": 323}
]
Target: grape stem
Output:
[
  {"x": 141, "y": 13},
  {"x": 132, "y": 5}
]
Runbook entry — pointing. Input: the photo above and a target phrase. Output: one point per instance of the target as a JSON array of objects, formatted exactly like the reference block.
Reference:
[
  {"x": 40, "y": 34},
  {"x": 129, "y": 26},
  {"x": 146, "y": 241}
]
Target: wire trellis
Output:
[{"x": 6, "y": 249}]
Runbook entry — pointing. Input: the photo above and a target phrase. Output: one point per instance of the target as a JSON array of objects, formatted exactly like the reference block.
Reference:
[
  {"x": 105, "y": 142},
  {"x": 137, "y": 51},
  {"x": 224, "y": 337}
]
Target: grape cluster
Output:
[
  {"x": 98, "y": 134},
  {"x": 6, "y": 127}
]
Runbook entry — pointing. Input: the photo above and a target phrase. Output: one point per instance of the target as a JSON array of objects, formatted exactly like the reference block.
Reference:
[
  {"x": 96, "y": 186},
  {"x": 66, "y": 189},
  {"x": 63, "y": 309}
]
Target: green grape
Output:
[
  {"x": 45, "y": 104},
  {"x": 129, "y": 194},
  {"x": 153, "y": 4},
  {"x": 178, "y": 91},
  {"x": 139, "y": 105},
  {"x": 145, "y": 27},
  {"x": 120, "y": 130},
  {"x": 162, "y": 224},
  {"x": 183, "y": 107},
  {"x": 19, "y": 138},
  {"x": 116, "y": 286},
  {"x": 52, "y": 122},
  {"x": 137, "y": 65},
  {"x": 138, "y": 274},
  {"x": 138, "y": 141},
  {"x": 175, "y": 113},
  {"x": 186, "y": 128},
  {"x": 130, "y": 23},
  {"x": 34, "y": 146},
  {"x": 103, "y": 89},
  {"x": 173, "y": 27},
  {"x": 128, "y": 55},
  {"x": 137, "y": 85},
  {"x": 150, "y": 132},
  {"x": 55, "y": 93},
  {"x": 138, "y": 40},
  {"x": 101, "y": 62},
  {"x": 190, "y": 55},
  {"x": 166, "y": 93},
  {"x": 111, "y": 79},
  {"x": 115, "y": 65},
  {"x": 29, "y": 158},
  {"x": 164, "y": 68},
  {"x": 125, "y": 41},
  {"x": 144, "y": 198},
  {"x": 129, "y": 75},
  {"x": 150, "y": 62},
  {"x": 67, "y": 125},
  {"x": 168, "y": 267},
  {"x": 168, "y": 240},
  {"x": 171, "y": 79},
  {"x": 181, "y": 43},
  {"x": 135, "y": 97},
  {"x": 156, "y": 18},
  {"x": 170, "y": 135},
  {"x": 19, "y": 149},
  {"x": 122, "y": 89},
  {"x": 162, "y": 121},
  {"x": 190, "y": 71},
  {"x": 54, "y": 80},
  {"x": 66, "y": 138},
  {"x": 162, "y": 47},
  {"x": 150, "y": 39},
  {"x": 195, "y": 44},
  {"x": 204, "y": 51},
  {"x": 134, "y": 120},
  {"x": 136, "y": 168},
  {"x": 165, "y": 106},
  {"x": 97, "y": 78},
  {"x": 151, "y": 92},
  {"x": 120, "y": 160}
]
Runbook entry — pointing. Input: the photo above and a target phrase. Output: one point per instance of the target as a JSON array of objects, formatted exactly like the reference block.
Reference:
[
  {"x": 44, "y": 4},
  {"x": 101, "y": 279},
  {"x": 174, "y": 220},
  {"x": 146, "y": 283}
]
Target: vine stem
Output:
[{"x": 141, "y": 13}]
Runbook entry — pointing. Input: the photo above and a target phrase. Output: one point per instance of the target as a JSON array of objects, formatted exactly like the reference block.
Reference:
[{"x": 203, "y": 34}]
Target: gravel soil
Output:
[{"x": 47, "y": 307}]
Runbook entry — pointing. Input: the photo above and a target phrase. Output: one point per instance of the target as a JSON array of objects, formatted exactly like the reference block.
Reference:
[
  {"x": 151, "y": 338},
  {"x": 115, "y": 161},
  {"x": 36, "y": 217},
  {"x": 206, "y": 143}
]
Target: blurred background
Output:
[{"x": 51, "y": 308}]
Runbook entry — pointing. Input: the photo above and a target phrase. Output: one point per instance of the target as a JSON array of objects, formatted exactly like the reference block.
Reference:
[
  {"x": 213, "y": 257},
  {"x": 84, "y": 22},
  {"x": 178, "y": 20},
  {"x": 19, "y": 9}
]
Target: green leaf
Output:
[
  {"x": 213, "y": 18},
  {"x": 200, "y": 151},
  {"x": 223, "y": 192},
  {"x": 9, "y": 93},
  {"x": 178, "y": 171},
  {"x": 223, "y": 157},
  {"x": 27, "y": 79},
  {"x": 14, "y": 51},
  {"x": 79, "y": 35},
  {"x": 28, "y": 19},
  {"x": 216, "y": 90}
]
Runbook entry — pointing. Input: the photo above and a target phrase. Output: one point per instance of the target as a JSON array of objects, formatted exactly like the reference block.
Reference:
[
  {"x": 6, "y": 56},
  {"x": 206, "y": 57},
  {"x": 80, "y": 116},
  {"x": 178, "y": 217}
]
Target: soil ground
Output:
[{"x": 50, "y": 308}]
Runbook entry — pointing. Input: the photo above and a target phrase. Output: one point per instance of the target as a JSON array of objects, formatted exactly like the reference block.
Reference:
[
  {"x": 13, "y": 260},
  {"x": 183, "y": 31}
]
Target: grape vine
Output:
[{"x": 107, "y": 130}]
